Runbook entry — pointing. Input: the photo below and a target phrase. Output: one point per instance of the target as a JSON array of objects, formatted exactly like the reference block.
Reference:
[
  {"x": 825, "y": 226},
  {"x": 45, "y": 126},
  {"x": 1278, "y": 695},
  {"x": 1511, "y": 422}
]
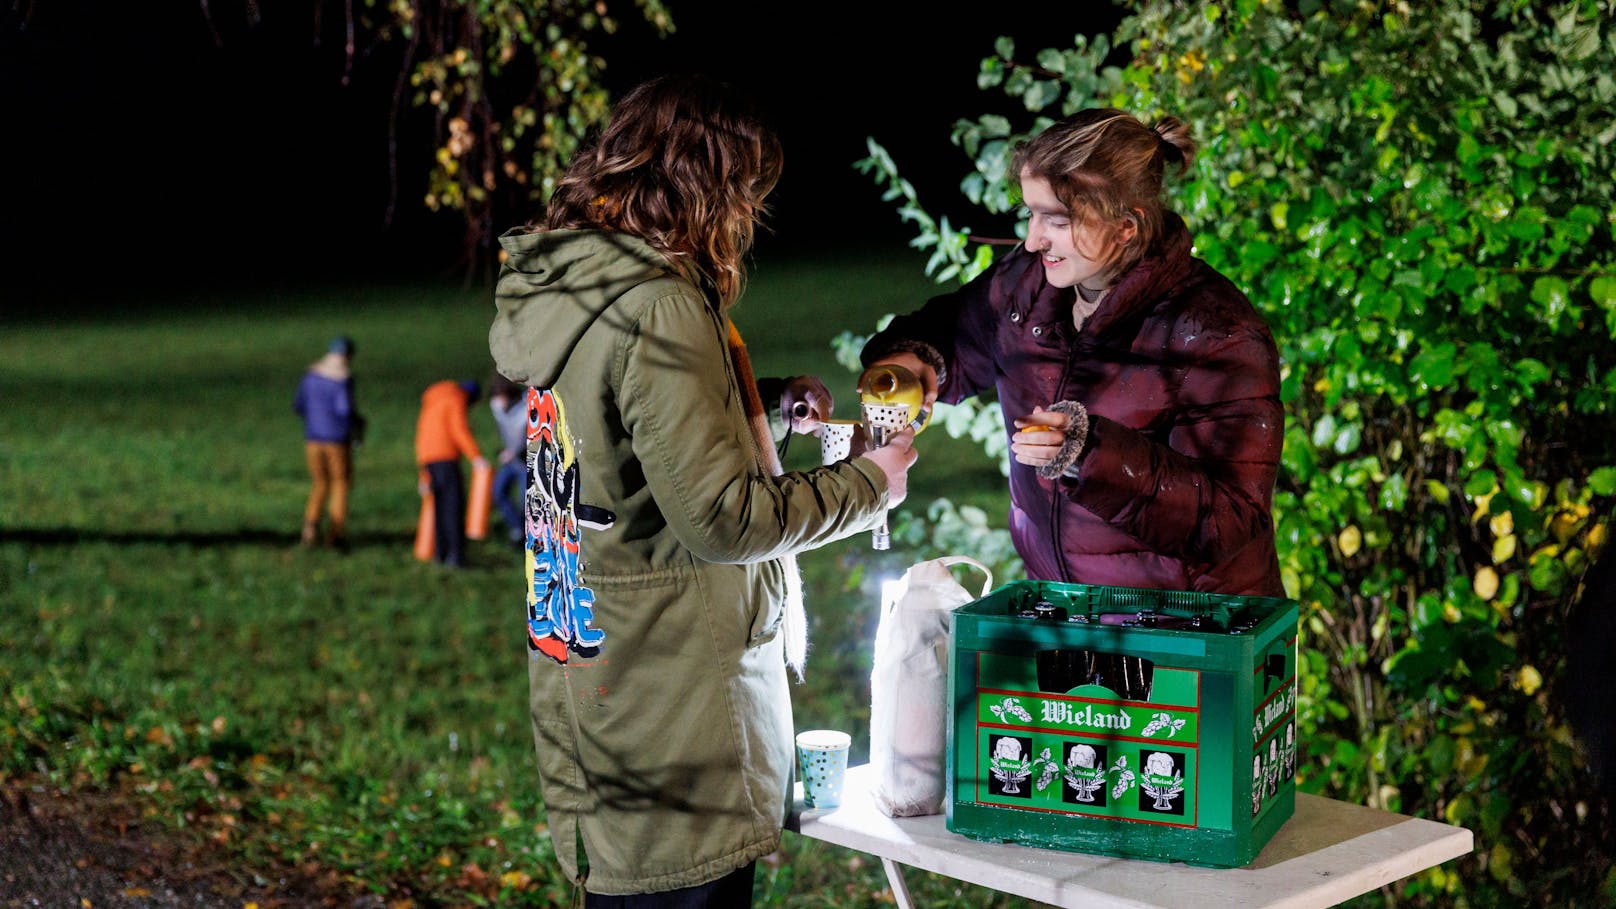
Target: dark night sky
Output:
[{"x": 140, "y": 151}]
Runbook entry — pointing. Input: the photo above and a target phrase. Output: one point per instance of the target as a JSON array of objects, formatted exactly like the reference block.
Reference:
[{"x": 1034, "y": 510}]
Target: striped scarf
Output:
[{"x": 795, "y": 626}]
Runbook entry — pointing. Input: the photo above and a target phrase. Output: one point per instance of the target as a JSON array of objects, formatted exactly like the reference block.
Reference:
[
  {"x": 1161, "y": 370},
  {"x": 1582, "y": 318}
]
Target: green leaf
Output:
[
  {"x": 1441, "y": 754},
  {"x": 1530, "y": 371},
  {"x": 1324, "y": 431},
  {"x": 1432, "y": 368},
  {"x": 1394, "y": 493},
  {"x": 1041, "y": 94},
  {"x": 1347, "y": 440},
  {"x": 1480, "y": 483},
  {"x": 1603, "y": 481},
  {"x": 1547, "y": 575},
  {"x": 1603, "y": 291},
  {"x": 1552, "y": 293},
  {"x": 1415, "y": 668}
]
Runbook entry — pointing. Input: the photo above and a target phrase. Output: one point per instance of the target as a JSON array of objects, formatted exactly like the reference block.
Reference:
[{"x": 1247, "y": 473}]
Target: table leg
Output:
[{"x": 900, "y": 891}]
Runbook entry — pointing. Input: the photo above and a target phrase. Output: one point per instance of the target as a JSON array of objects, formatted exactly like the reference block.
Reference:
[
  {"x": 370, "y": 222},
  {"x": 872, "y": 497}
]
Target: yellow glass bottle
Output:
[{"x": 888, "y": 383}]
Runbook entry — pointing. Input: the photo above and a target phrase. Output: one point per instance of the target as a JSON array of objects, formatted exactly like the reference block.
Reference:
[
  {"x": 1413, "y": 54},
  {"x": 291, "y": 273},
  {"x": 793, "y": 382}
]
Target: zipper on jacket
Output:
[{"x": 1055, "y": 487}]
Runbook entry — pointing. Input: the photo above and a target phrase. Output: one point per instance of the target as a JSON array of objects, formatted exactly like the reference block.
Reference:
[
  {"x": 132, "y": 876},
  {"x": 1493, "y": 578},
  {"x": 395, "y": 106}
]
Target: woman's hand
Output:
[
  {"x": 805, "y": 403},
  {"x": 1039, "y": 436},
  {"x": 1051, "y": 439},
  {"x": 894, "y": 459},
  {"x": 923, "y": 372}
]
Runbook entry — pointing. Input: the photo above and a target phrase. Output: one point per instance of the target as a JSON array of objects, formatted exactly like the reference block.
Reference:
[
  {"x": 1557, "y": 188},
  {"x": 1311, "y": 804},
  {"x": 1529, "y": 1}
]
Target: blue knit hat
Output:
[
  {"x": 472, "y": 389},
  {"x": 341, "y": 344}
]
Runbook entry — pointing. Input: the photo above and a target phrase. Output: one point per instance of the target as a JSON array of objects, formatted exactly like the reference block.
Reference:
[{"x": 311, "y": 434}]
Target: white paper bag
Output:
[{"x": 909, "y": 688}]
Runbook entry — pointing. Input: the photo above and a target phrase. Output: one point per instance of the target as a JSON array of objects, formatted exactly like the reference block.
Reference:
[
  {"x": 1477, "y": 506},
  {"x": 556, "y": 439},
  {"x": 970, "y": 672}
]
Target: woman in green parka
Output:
[{"x": 663, "y": 603}]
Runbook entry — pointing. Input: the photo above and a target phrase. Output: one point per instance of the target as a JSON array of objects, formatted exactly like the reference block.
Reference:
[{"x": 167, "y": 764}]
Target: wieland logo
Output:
[
  {"x": 1066, "y": 713},
  {"x": 1278, "y": 707}
]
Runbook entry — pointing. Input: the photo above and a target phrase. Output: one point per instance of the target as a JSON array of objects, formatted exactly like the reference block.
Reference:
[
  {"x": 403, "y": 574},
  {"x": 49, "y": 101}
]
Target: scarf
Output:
[{"x": 794, "y": 629}]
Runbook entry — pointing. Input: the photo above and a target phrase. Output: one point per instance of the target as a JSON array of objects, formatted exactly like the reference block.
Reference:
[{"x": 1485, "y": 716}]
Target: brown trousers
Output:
[{"x": 331, "y": 473}]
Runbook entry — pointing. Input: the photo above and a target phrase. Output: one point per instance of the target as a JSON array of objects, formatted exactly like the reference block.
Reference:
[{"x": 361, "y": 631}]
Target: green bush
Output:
[{"x": 1420, "y": 203}]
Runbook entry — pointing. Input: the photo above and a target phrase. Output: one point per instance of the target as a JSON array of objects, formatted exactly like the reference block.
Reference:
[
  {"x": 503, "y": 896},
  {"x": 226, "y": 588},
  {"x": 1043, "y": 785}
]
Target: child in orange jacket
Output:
[{"x": 442, "y": 437}]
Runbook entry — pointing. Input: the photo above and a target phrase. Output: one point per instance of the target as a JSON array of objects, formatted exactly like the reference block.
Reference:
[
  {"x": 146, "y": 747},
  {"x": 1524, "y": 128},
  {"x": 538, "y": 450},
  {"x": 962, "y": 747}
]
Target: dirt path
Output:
[{"x": 87, "y": 852}]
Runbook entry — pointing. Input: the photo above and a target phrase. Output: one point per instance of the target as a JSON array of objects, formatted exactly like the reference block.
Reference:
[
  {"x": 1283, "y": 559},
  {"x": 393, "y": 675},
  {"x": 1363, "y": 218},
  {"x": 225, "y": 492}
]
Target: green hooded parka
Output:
[{"x": 658, "y": 689}]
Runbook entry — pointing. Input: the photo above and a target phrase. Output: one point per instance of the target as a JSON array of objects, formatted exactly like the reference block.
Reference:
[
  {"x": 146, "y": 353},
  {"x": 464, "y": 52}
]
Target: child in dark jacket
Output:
[
  {"x": 508, "y": 404},
  {"x": 331, "y": 427}
]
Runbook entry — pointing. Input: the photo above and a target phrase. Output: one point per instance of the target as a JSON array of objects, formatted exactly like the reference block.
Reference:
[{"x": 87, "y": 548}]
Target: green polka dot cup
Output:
[{"x": 822, "y": 764}]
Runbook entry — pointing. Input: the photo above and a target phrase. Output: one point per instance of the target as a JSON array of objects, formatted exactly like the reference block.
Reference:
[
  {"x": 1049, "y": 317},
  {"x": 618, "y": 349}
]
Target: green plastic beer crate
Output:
[{"x": 1150, "y": 724}]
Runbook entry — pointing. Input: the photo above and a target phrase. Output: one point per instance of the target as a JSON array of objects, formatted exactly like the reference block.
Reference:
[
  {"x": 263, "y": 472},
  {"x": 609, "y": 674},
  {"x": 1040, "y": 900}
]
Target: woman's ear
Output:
[{"x": 1128, "y": 227}]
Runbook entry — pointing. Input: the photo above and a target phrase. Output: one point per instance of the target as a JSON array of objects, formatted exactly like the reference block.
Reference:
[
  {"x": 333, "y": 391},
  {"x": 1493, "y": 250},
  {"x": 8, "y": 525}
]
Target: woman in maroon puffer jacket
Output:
[{"x": 1144, "y": 386}]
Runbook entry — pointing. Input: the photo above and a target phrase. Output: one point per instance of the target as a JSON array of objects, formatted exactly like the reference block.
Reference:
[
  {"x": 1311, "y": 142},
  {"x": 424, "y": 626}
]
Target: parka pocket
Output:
[{"x": 768, "y": 598}]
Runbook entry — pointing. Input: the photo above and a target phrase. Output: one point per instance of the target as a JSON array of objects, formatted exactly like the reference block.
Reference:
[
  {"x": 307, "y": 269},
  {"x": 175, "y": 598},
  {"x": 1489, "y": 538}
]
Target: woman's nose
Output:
[{"x": 1036, "y": 241}]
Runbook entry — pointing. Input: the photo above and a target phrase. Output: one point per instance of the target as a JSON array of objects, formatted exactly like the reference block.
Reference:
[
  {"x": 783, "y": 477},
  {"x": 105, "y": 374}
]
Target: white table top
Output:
[{"x": 1328, "y": 852}]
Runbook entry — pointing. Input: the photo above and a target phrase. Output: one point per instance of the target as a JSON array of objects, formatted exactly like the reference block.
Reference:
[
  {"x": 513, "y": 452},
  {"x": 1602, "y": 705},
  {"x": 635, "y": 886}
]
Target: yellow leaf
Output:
[
  {"x": 1596, "y": 536},
  {"x": 1457, "y": 810},
  {"x": 1500, "y": 862},
  {"x": 1485, "y": 583},
  {"x": 1503, "y": 548},
  {"x": 1502, "y": 524},
  {"x": 1528, "y": 679},
  {"x": 1350, "y": 540},
  {"x": 1450, "y": 613}
]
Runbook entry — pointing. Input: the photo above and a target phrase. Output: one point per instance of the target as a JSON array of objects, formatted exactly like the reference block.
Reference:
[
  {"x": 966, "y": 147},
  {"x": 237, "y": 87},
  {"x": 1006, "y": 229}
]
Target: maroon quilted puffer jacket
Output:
[{"x": 1181, "y": 381}]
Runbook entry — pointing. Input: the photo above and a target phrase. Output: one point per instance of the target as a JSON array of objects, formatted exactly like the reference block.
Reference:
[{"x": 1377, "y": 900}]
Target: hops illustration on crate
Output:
[
  {"x": 1124, "y": 777},
  {"x": 1051, "y": 768},
  {"x": 1162, "y": 721},
  {"x": 1011, "y": 708}
]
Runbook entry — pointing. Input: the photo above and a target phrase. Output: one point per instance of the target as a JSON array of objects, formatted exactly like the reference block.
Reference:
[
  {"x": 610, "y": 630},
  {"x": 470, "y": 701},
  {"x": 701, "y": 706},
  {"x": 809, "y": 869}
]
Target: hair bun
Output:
[
  {"x": 1172, "y": 153},
  {"x": 1177, "y": 145}
]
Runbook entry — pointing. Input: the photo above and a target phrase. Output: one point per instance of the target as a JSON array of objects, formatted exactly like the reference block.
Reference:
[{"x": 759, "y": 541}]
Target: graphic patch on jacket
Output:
[{"x": 559, "y": 607}]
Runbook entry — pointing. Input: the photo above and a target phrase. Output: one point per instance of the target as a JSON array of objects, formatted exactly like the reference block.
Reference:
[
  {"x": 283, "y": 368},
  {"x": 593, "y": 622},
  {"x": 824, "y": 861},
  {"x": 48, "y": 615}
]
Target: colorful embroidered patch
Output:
[{"x": 560, "y": 609}]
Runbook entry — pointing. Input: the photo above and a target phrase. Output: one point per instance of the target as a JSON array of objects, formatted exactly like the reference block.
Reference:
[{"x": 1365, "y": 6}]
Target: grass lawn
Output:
[{"x": 164, "y": 638}]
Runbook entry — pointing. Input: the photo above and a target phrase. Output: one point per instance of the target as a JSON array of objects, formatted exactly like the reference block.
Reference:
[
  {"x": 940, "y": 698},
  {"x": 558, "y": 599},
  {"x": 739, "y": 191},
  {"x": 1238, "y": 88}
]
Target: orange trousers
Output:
[{"x": 331, "y": 475}]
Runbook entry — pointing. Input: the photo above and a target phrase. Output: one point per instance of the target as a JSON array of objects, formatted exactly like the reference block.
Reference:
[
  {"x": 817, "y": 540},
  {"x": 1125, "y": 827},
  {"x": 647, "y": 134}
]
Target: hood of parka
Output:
[{"x": 552, "y": 287}]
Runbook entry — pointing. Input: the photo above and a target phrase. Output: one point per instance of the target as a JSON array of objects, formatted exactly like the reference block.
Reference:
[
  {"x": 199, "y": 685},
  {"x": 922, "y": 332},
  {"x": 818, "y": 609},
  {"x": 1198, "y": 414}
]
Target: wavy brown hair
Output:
[
  {"x": 684, "y": 163},
  {"x": 1106, "y": 164}
]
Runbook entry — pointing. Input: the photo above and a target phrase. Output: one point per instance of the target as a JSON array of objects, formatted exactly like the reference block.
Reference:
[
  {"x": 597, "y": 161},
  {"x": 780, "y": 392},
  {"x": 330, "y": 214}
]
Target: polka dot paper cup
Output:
[
  {"x": 822, "y": 764},
  {"x": 836, "y": 439}
]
